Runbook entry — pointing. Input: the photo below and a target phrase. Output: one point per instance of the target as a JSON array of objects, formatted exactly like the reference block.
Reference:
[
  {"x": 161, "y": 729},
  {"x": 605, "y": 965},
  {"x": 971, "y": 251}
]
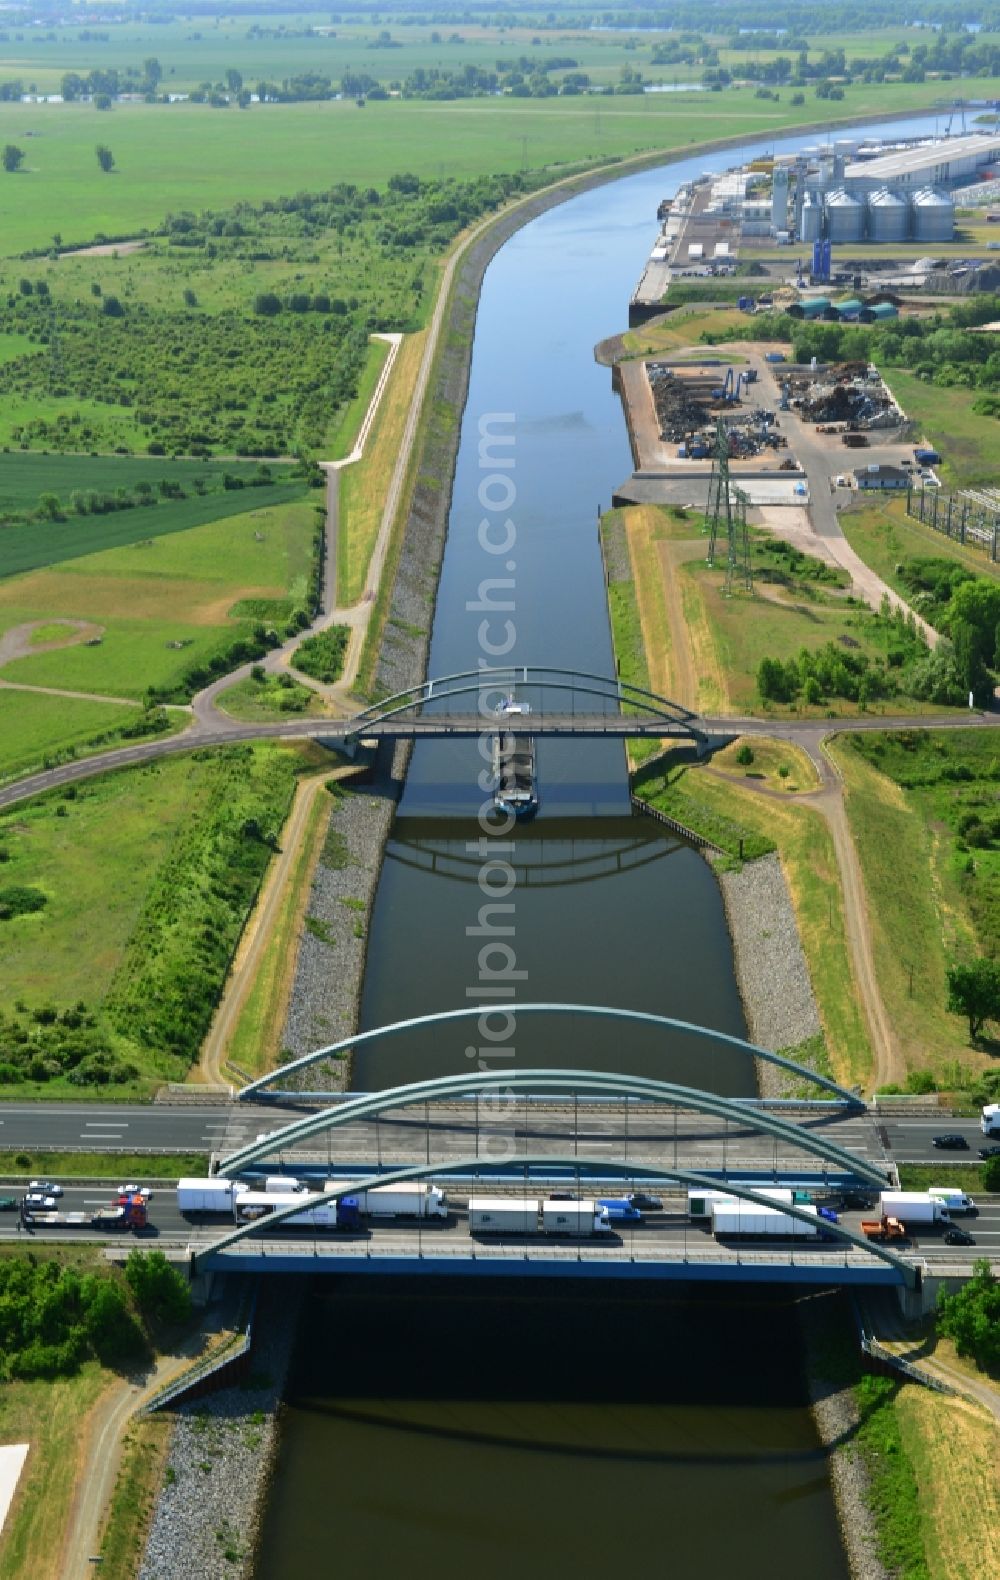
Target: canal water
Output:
[{"x": 550, "y": 1431}]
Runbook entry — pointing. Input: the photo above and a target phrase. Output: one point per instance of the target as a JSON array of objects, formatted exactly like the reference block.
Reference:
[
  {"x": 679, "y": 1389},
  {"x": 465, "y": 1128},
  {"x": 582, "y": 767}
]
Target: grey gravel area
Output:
[
  {"x": 207, "y": 1516},
  {"x": 323, "y": 1005},
  {"x": 771, "y": 969},
  {"x": 835, "y": 1415}
]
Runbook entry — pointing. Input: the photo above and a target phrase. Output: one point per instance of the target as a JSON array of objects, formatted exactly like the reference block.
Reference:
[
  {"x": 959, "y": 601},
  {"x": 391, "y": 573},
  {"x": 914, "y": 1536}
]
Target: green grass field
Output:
[
  {"x": 345, "y": 431},
  {"x": 266, "y": 701},
  {"x": 196, "y": 588},
  {"x": 33, "y": 727},
  {"x": 140, "y": 849},
  {"x": 884, "y": 536},
  {"x": 192, "y": 156},
  {"x": 31, "y": 545},
  {"x": 967, "y": 442}
]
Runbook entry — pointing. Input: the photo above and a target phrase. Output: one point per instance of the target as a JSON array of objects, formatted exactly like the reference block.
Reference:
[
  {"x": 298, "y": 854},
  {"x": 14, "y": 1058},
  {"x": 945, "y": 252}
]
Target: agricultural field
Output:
[
  {"x": 193, "y": 156},
  {"x": 164, "y": 608},
  {"x": 169, "y": 856}
]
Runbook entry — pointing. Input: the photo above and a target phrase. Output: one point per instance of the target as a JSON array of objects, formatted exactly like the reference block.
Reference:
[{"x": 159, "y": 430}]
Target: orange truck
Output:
[{"x": 884, "y": 1228}]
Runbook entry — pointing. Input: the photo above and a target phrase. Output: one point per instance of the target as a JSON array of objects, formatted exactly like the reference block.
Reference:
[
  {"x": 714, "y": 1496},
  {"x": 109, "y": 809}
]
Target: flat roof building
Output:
[{"x": 942, "y": 163}]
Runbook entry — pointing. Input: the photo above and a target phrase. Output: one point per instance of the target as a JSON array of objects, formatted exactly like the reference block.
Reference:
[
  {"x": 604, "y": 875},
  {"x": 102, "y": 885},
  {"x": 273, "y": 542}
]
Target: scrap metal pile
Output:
[
  {"x": 679, "y": 408},
  {"x": 847, "y": 392}
]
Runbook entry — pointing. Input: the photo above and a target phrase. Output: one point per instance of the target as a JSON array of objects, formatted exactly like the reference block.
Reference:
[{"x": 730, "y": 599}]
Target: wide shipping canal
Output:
[{"x": 530, "y": 1429}]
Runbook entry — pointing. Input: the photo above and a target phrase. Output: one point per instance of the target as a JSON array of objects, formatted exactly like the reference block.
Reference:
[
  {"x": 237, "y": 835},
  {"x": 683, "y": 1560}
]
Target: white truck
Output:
[
  {"x": 732, "y": 1219},
  {"x": 951, "y": 1197},
  {"x": 527, "y": 1215},
  {"x": 253, "y": 1204},
  {"x": 989, "y": 1120},
  {"x": 913, "y": 1207},
  {"x": 503, "y": 1215},
  {"x": 282, "y": 1184},
  {"x": 701, "y": 1202},
  {"x": 397, "y": 1201},
  {"x": 209, "y": 1195}
]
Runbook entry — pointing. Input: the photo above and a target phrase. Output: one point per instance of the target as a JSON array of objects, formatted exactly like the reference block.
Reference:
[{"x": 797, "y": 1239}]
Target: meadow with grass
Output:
[{"x": 169, "y": 856}]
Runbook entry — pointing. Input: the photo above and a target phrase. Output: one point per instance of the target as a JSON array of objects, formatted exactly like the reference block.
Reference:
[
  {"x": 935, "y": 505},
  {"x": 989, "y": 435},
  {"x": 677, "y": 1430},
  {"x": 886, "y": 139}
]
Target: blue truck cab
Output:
[{"x": 619, "y": 1209}]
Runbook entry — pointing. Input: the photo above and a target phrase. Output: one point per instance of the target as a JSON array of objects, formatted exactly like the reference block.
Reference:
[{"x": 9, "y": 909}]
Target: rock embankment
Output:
[
  {"x": 208, "y": 1513},
  {"x": 771, "y": 968},
  {"x": 329, "y": 969}
]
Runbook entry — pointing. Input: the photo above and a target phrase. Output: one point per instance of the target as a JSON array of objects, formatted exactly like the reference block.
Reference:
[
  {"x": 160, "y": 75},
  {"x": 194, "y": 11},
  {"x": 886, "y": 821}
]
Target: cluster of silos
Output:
[{"x": 880, "y": 217}]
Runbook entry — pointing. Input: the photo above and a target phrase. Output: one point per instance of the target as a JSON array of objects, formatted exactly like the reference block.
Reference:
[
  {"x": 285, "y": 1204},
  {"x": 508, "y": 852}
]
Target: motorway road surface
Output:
[
  {"x": 668, "y": 1231},
  {"x": 401, "y": 1138}
]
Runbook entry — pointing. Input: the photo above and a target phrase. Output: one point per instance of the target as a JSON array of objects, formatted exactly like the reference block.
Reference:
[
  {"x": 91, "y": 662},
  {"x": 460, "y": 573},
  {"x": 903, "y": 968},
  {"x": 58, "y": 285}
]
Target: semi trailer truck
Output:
[
  {"x": 913, "y": 1207},
  {"x": 209, "y": 1195},
  {"x": 397, "y": 1201},
  {"x": 340, "y": 1214},
  {"x": 743, "y": 1219},
  {"x": 527, "y": 1215}
]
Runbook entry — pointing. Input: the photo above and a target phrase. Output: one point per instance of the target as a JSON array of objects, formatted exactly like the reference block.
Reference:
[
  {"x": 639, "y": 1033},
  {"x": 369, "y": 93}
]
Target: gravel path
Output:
[
  {"x": 215, "y": 1493},
  {"x": 771, "y": 969}
]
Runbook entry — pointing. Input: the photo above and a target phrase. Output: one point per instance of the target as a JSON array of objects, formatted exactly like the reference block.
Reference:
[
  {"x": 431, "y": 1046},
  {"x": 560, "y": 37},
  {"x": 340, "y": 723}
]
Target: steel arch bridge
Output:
[
  {"x": 372, "y": 1104},
  {"x": 398, "y": 1097},
  {"x": 612, "y": 1012},
  {"x": 616, "y": 706}
]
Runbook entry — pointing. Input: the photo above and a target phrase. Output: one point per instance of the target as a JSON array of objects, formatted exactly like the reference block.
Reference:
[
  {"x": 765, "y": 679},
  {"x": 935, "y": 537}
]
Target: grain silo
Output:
[
  {"x": 844, "y": 217},
  {"x": 811, "y": 217},
  {"x": 888, "y": 216},
  {"x": 933, "y": 216},
  {"x": 779, "y": 199}
]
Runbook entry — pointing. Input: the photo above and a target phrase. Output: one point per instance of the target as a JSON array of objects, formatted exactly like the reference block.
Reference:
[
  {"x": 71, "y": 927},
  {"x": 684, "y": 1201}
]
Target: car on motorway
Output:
[
  {"x": 645, "y": 1202},
  {"x": 45, "y": 1187},
  {"x": 39, "y": 1202},
  {"x": 136, "y": 1190},
  {"x": 856, "y": 1201},
  {"x": 957, "y": 1236},
  {"x": 952, "y": 1142},
  {"x": 990, "y": 1152},
  {"x": 8, "y": 1203}
]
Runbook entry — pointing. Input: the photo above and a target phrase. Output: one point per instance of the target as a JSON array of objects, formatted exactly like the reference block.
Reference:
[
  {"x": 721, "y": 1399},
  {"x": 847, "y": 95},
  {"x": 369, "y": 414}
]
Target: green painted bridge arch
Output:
[
  {"x": 907, "y": 1272},
  {"x": 666, "y": 1023},
  {"x": 370, "y": 1105}
]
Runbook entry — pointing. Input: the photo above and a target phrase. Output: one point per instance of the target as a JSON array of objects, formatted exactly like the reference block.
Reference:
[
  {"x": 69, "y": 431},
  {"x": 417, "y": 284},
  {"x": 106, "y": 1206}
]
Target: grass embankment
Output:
[
  {"x": 37, "y": 731},
  {"x": 930, "y": 900},
  {"x": 145, "y": 1451},
  {"x": 169, "y": 857},
  {"x": 723, "y": 810},
  {"x": 256, "y": 1041},
  {"x": 965, "y": 440},
  {"x": 49, "y": 1415},
  {"x": 344, "y": 433},
  {"x": 363, "y": 486},
  {"x": 166, "y": 604},
  {"x": 684, "y": 328},
  {"x": 101, "y": 1165},
  {"x": 919, "y": 1176}
]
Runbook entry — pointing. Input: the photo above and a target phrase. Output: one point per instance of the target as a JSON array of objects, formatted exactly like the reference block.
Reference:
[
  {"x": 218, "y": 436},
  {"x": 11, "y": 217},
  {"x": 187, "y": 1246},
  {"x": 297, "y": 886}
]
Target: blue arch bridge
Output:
[{"x": 528, "y": 1132}]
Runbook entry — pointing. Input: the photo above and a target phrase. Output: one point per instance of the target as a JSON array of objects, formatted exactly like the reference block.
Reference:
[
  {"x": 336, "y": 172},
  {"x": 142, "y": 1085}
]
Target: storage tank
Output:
[
  {"x": 844, "y": 147},
  {"x": 933, "y": 216},
  {"x": 844, "y": 217},
  {"x": 779, "y": 200},
  {"x": 811, "y": 216},
  {"x": 888, "y": 216}
]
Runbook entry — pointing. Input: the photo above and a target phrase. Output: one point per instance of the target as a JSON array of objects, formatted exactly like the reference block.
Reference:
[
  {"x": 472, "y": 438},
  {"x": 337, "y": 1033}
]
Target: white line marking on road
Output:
[{"x": 106, "y": 1124}]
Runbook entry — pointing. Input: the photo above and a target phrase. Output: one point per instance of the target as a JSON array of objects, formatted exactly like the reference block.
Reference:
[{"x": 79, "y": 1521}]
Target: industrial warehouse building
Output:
[{"x": 880, "y": 477}]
